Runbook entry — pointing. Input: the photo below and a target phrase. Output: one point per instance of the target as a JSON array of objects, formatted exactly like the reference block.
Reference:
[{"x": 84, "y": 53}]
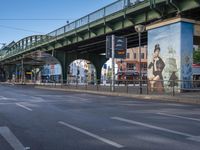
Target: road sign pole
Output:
[
  {"x": 113, "y": 63},
  {"x": 140, "y": 63},
  {"x": 22, "y": 71}
]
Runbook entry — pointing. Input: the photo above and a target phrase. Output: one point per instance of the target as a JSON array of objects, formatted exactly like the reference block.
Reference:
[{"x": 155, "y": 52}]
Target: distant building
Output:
[
  {"x": 196, "y": 71},
  {"x": 51, "y": 73},
  {"x": 129, "y": 68},
  {"x": 196, "y": 74},
  {"x": 81, "y": 71}
]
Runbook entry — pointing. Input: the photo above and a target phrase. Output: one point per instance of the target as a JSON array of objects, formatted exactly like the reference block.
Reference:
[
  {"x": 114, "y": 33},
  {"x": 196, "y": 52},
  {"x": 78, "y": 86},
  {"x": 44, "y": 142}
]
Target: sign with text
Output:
[{"x": 120, "y": 46}]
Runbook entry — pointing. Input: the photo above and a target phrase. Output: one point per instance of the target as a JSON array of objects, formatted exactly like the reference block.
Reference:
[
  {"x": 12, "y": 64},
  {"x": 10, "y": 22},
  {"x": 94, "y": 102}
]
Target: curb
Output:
[{"x": 187, "y": 100}]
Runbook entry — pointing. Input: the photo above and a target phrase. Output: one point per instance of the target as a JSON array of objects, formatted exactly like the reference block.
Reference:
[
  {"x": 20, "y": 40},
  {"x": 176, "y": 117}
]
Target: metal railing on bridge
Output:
[{"x": 99, "y": 14}]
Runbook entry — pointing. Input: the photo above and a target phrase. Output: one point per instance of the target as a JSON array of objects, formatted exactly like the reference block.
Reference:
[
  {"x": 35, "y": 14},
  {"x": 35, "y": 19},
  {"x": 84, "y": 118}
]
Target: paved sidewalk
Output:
[{"x": 188, "y": 97}]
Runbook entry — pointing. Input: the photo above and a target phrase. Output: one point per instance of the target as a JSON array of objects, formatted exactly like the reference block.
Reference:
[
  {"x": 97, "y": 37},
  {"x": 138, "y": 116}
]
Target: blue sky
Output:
[{"x": 12, "y": 28}]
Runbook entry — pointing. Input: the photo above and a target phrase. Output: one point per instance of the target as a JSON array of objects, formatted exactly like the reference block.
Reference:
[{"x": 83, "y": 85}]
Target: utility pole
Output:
[
  {"x": 113, "y": 63},
  {"x": 22, "y": 71},
  {"x": 139, "y": 29}
]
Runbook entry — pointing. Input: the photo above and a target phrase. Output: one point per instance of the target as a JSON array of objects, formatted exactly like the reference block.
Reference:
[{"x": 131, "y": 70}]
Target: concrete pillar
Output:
[
  {"x": 170, "y": 54},
  {"x": 61, "y": 57},
  {"x": 98, "y": 61},
  {"x": 2, "y": 74},
  {"x": 9, "y": 71}
]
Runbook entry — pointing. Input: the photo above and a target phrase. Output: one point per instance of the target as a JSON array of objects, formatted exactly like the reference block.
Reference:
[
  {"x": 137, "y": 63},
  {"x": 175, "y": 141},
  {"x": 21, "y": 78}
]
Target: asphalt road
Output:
[{"x": 38, "y": 119}]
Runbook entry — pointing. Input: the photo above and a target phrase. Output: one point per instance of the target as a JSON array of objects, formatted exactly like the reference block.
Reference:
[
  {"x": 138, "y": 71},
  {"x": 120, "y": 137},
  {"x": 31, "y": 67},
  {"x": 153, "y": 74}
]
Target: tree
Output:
[{"x": 196, "y": 56}]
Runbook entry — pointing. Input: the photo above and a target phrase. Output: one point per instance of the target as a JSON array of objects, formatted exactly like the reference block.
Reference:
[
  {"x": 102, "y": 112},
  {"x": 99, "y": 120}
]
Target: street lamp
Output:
[{"x": 139, "y": 29}]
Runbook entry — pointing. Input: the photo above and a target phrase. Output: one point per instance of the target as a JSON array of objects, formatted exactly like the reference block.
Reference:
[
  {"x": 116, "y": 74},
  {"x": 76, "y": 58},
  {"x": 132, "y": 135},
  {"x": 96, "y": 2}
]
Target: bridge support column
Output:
[
  {"x": 2, "y": 74},
  {"x": 61, "y": 56},
  {"x": 65, "y": 59},
  {"x": 10, "y": 70},
  {"x": 170, "y": 54},
  {"x": 98, "y": 61}
]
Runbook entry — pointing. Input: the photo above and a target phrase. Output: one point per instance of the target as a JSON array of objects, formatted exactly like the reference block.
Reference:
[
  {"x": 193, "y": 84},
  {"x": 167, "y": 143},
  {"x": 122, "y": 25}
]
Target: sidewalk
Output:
[{"x": 188, "y": 97}]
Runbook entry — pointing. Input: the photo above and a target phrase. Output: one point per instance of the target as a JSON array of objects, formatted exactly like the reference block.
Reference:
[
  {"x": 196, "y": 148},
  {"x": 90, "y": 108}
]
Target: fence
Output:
[{"x": 161, "y": 87}]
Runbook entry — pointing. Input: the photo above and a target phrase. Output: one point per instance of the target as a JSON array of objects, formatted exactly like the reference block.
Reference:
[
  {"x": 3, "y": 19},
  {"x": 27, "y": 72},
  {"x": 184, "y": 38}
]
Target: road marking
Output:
[
  {"x": 11, "y": 138},
  {"x": 132, "y": 104},
  {"x": 37, "y": 99},
  {"x": 189, "y": 136},
  {"x": 84, "y": 99},
  {"x": 92, "y": 135},
  {"x": 25, "y": 107},
  {"x": 7, "y": 103},
  {"x": 6, "y": 98},
  {"x": 182, "y": 117}
]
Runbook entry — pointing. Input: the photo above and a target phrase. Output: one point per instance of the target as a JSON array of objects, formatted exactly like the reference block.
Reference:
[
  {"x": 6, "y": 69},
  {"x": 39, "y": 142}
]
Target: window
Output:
[
  {"x": 135, "y": 55},
  {"x": 142, "y": 55},
  {"x": 130, "y": 66},
  {"x": 128, "y": 55},
  {"x": 144, "y": 66}
]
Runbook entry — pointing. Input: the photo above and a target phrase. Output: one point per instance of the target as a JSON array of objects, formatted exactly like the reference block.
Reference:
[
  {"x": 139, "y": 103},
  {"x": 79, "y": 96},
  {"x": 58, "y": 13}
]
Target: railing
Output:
[
  {"x": 172, "y": 87},
  {"x": 99, "y": 14}
]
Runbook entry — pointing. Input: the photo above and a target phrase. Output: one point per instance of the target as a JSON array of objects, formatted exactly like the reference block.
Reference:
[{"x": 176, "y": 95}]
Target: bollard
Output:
[
  {"x": 97, "y": 87},
  {"x": 147, "y": 81},
  {"x": 173, "y": 90},
  {"x": 126, "y": 87}
]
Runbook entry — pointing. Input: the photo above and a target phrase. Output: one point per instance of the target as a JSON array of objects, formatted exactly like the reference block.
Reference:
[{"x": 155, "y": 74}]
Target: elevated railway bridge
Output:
[{"x": 85, "y": 38}]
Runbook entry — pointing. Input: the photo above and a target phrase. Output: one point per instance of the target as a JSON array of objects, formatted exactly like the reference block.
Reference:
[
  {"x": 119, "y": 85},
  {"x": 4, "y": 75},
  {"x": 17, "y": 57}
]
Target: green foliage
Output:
[{"x": 196, "y": 56}]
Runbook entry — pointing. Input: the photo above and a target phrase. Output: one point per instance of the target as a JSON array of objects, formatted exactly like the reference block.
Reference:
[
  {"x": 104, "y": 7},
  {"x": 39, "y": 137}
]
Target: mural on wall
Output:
[
  {"x": 186, "y": 55},
  {"x": 156, "y": 65},
  {"x": 169, "y": 56}
]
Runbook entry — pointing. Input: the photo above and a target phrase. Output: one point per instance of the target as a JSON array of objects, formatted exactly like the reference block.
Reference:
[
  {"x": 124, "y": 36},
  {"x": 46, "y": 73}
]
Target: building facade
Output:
[
  {"x": 129, "y": 68},
  {"x": 81, "y": 71}
]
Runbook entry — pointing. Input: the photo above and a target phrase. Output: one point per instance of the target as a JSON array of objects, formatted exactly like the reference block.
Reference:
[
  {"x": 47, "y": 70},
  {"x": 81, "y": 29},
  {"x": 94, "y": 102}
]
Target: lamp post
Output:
[{"x": 139, "y": 29}]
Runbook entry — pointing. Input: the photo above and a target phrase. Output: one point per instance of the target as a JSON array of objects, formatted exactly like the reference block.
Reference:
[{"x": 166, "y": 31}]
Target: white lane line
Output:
[
  {"x": 37, "y": 99},
  {"x": 25, "y": 107},
  {"x": 11, "y": 138},
  {"x": 189, "y": 136},
  {"x": 92, "y": 135},
  {"x": 80, "y": 98},
  {"x": 6, "y": 98},
  {"x": 176, "y": 116},
  {"x": 7, "y": 103}
]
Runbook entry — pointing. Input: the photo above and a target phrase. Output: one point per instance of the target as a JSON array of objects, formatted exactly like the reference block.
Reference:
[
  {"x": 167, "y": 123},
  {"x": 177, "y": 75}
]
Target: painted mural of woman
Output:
[{"x": 156, "y": 81}]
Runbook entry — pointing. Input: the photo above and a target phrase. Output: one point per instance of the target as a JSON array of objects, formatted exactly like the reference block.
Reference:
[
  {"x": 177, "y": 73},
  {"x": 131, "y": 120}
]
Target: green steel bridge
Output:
[{"x": 85, "y": 37}]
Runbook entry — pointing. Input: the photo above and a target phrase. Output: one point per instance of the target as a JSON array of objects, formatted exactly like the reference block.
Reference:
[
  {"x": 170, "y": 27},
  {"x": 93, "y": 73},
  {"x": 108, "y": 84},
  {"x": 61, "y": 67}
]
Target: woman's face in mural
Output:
[{"x": 156, "y": 53}]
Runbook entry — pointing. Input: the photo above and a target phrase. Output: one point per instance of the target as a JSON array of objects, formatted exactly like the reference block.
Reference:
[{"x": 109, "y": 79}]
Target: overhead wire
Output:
[
  {"x": 29, "y": 19},
  {"x": 37, "y": 19},
  {"x": 20, "y": 29}
]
